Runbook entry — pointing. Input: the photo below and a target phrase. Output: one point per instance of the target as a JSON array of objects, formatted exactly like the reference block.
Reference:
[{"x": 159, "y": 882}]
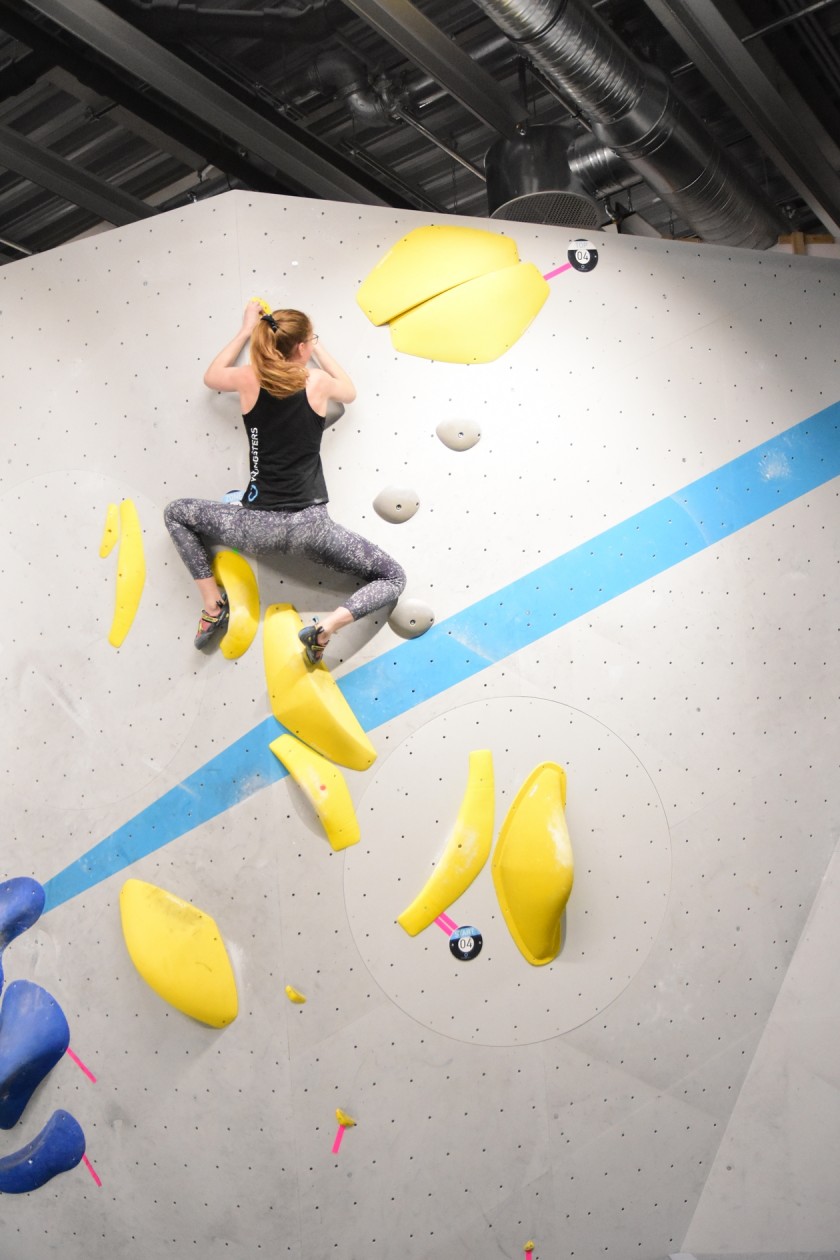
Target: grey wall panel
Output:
[{"x": 696, "y": 704}]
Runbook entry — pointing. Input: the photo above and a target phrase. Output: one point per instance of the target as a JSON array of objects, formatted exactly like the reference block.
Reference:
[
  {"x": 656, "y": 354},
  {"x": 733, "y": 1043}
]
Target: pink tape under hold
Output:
[
  {"x": 445, "y": 924},
  {"x": 336, "y": 1146},
  {"x": 79, "y": 1063},
  {"x": 89, "y": 1166},
  {"x": 551, "y": 274}
]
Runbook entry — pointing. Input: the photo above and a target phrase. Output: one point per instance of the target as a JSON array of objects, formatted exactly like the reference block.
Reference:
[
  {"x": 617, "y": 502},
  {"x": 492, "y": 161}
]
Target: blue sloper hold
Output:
[
  {"x": 33, "y": 1037},
  {"x": 57, "y": 1148},
  {"x": 21, "y": 903}
]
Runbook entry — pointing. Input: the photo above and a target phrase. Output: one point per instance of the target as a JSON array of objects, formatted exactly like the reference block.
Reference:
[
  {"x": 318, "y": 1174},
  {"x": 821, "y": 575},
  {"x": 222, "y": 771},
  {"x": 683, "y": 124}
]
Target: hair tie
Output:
[{"x": 271, "y": 321}]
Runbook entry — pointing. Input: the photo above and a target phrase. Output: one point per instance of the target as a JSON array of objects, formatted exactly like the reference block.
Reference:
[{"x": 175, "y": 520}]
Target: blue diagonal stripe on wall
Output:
[{"x": 701, "y": 514}]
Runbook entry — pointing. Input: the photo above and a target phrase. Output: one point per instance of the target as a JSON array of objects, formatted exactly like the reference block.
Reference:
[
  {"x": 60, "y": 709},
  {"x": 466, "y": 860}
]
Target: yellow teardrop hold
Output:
[
  {"x": 533, "y": 866},
  {"x": 179, "y": 952},
  {"x": 343, "y": 1119},
  {"x": 294, "y": 996}
]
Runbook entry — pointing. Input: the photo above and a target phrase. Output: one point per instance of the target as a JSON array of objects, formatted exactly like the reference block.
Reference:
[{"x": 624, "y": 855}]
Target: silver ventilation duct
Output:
[
  {"x": 635, "y": 111},
  {"x": 529, "y": 181}
]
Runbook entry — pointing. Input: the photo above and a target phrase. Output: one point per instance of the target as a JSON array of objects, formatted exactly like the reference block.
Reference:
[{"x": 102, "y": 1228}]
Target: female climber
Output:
[{"x": 283, "y": 398}]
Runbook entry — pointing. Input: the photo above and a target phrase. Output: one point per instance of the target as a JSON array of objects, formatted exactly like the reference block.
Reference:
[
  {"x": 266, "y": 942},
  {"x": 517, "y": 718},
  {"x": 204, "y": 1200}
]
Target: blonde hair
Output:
[{"x": 270, "y": 352}]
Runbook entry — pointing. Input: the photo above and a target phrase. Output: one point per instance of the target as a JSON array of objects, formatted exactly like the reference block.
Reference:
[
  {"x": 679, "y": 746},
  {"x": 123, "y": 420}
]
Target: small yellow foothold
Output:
[
  {"x": 262, "y": 303},
  {"x": 343, "y": 1119},
  {"x": 529, "y": 1246},
  {"x": 294, "y": 996}
]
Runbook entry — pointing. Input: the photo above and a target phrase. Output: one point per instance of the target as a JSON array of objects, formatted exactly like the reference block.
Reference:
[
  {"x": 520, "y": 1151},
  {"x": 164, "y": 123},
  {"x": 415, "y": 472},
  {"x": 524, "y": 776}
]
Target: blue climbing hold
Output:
[
  {"x": 33, "y": 1037},
  {"x": 21, "y": 903},
  {"x": 57, "y": 1148}
]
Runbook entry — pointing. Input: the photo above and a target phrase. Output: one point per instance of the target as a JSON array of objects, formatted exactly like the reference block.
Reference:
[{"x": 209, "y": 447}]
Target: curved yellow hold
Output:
[
  {"x": 475, "y": 322},
  {"x": 111, "y": 532},
  {"x": 466, "y": 851},
  {"x": 428, "y": 261},
  {"x": 294, "y": 996},
  {"x": 346, "y": 1122},
  {"x": 533, "y": 867},
  {"x": 324, "y": 785},
  {"x": 306, "y": 698},
  {"x": 262, "y": 302},
  {"x": 131, "y": 573},
  {"x": 235, "y": 575},
  {"x": 179, "y": 952}
]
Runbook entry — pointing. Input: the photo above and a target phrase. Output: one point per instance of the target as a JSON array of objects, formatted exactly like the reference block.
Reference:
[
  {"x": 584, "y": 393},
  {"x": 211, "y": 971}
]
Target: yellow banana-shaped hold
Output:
[
  {"x": 456, "y": 294},
  {"x": 294, "y": 996},
  {"x": 306, "y": 698},
  {"x": 324, "y": 785},
  {"x": 466, "y": 851},
  {"x": 533, "y": 866},
  {"x": 262, "y": 303},
  {"x": 346, "y": 1122},
  {"x": 131, "y": 573},
  {"x": 235, "y": 575},
  {"x": 111, "y": 532}
]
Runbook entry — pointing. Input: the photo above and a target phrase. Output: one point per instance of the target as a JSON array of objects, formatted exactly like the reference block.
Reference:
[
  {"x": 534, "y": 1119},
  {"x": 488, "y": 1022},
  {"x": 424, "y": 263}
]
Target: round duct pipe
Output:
[{"x": 529, "y": 181}]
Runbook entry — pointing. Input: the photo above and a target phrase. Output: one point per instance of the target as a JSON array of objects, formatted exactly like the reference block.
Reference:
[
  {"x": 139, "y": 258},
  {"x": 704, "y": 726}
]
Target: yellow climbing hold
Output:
[
  {"x": 533, "y": 866},
  {"x": 324, "y": 785},
  {"x": 131, "y": 573},
  {"x": 306, "y": 698},
  {"x": 428, "y": 261},
  {"x": 179, "y": 952},
  {"x": 475, "y": 322},
  {"x": 294, "y": 996},
  {"x": 466, "y": 851},
  {"x": 235, "y": 575},
  {"x": 346, "y": 1122},
  {"x": 111, "y": 532},
  {"x": 456, "y": 294}
]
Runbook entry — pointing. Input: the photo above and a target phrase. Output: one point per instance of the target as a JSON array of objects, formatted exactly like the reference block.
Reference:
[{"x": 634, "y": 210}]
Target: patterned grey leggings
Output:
[{"x": 194, "y": 523}]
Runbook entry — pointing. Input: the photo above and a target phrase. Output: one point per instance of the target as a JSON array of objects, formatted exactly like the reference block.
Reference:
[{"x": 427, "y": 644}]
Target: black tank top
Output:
[{"x": 284, "y": 436}]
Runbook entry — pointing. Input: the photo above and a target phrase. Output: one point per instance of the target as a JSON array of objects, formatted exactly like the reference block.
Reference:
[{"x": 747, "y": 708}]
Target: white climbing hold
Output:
[
  {"x": 458, "y": 435},
  {"x": 396, "y": 504},
  {"x": 411, "y": 618}
]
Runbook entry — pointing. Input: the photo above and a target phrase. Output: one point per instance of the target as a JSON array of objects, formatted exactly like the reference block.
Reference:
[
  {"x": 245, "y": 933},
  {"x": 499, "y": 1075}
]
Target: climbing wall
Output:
[{"x": 632, "y": 572}]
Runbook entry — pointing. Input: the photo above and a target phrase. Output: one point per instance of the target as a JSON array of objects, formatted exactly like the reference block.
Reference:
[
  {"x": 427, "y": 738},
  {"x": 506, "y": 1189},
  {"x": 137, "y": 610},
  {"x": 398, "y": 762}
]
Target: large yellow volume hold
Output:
[
  {"x": 179, "y": 952},
  {"x": 533, "y": 867},
  {"x": 466, "y": 851},
  {"x": 236, "y": 577},
  {"x": 324, "y": 785},
  {"x": 131, "y": 573},
  {"x": 306, "y": 698},
  {"x": 428, "y": 261},
  {"x": 456, "y": 294},
  {"x": 111, "y": 532}
]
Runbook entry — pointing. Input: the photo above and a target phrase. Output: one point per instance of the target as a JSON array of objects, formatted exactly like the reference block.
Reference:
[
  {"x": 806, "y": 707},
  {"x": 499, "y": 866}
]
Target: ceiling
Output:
[{"x": 111, "y": 110}]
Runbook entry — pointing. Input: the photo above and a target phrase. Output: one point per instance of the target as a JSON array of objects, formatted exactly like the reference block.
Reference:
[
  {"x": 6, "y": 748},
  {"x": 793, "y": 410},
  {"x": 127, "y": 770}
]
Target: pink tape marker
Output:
[
  {"x": 336, "y": 1146},
  {"x": 89, "y": 1166},
  {"x": 557, "y": 271},
  {"x": 79, "y": 1063},
  {"x": 446, "y": 924}
]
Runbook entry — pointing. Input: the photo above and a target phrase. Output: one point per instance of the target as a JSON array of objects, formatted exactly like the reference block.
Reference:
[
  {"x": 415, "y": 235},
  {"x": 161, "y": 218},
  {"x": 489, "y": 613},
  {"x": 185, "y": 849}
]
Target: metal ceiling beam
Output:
[
  {"x": 73, "y": 183},
  {"x": 716, "y": 50},
  {"x": 135, "y": 54},
  {"x": 423, "y": 43}
]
